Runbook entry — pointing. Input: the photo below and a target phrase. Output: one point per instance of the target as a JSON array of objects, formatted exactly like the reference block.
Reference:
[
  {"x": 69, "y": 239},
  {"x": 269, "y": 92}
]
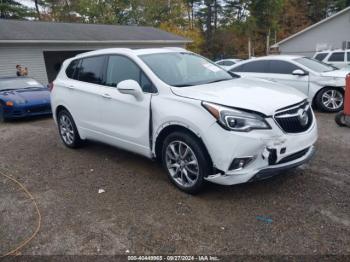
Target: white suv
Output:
[
  {"x": 201, "y": 122},
  {"x": 339, "y": 58}
]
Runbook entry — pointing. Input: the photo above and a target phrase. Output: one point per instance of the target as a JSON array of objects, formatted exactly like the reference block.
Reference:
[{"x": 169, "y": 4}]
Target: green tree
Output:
[
  {"x": 263, "y": 20},
  {"x": 10, "y": 9}
]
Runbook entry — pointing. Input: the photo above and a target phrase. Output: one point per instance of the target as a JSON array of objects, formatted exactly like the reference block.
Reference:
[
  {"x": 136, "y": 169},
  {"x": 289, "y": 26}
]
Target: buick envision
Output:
[{"x": 201, "y": 122}]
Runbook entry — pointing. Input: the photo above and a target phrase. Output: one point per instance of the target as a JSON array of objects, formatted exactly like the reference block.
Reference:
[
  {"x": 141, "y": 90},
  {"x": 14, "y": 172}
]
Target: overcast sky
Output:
[{"x": 29, "y": 3}]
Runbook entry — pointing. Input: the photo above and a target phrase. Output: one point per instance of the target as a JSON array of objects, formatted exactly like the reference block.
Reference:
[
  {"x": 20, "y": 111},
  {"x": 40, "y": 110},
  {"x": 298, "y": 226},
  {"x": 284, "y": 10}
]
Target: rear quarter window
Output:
[{"x": 71, "y": 69}]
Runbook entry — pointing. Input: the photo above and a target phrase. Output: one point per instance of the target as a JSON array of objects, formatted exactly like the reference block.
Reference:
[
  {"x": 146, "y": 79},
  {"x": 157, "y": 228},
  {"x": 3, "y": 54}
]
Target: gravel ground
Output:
[{"x": 141, "y": 212}]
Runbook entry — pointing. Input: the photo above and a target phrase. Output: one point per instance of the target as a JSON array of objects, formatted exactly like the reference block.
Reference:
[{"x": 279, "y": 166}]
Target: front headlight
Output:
[{"x": 236, "y": 120}]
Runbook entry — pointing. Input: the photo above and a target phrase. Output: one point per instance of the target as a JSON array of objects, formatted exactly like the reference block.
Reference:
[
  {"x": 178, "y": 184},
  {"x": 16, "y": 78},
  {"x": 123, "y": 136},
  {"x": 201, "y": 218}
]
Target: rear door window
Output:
[
  {"x": 337, "y": 57},
  {"x": 281, "y": 67},
  {"x": 321, "y": 56},
  {"x": 91, "y": 69}
]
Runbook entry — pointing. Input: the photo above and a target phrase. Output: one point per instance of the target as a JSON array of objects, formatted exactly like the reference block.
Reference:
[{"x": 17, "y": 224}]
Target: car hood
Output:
[
  {"x": 336, "y": 73},
  {"x": 30, "y": 96},
  {"x": 252, "y": 94}
]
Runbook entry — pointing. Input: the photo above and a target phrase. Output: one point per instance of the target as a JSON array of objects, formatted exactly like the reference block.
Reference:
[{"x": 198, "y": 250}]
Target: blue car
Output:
[{"x": 23, "y": 97}]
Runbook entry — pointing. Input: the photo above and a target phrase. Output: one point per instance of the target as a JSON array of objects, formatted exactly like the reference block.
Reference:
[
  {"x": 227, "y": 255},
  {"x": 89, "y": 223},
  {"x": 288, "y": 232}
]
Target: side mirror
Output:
[
  {"x": 299, "y": 72},
  {"x": 130, "y": 87}
]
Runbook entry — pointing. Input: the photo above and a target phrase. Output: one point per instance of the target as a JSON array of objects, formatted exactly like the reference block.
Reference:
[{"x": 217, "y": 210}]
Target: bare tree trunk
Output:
[
  {"x": 37, "y": 9},
  {"x": 208, "y": 23},
  {"x": 192, "y": 15},
  {"x": 249, "y": 48},
  {"x": 268, "y": 42},
  {"x": 215, "y": 14}
]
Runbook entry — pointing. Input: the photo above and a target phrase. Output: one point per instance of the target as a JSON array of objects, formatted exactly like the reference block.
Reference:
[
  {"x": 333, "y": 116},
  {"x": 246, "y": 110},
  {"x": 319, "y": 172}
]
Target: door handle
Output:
[
  {"x": 71, "y": 87},
  {"x": 107, "y": 96}
]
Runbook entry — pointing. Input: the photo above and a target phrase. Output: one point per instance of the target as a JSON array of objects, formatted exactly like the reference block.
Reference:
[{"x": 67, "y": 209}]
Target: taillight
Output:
[{"x": 50, "y": 86}]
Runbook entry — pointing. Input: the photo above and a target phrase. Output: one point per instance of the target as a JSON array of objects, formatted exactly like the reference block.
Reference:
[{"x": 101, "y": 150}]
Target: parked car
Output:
[
  {"x": 201, "y": 122},
  {"x": 323, "y": 84},
  {"x": 339, "y": 58},
  {"x": 226, "y": 63},
  {"x": 23, "y": 97}
]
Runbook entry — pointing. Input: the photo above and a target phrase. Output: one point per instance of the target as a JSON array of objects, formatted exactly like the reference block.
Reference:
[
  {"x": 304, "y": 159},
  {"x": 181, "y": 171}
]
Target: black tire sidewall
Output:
[
  {"x": 339, "y": 117},
  {"x": 197, "y": 148},
  {"x": 321, "y": 106},
  {"x": 77, "y": 141}
]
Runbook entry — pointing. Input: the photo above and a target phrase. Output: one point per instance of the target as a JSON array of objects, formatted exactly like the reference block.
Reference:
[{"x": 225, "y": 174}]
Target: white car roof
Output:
[
  {"x": 278, "y": 57},
  {"x": 129, "y": 51}
]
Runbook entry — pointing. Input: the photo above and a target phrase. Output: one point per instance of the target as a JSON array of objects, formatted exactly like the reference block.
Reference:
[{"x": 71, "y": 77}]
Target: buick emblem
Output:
[{"x": 303, "y": 117}]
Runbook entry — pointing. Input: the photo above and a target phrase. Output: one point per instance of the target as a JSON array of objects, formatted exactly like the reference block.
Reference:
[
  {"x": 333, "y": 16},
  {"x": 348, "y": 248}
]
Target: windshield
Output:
[
  {"x": 184, "y": 69},
  {"x": 315, "y": 65},
  {"x": 18, "y": 83}
]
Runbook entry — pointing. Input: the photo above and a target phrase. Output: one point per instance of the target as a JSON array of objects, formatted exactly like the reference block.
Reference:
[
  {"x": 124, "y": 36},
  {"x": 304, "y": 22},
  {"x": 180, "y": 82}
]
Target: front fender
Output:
[{"x": 174, "y": 110}]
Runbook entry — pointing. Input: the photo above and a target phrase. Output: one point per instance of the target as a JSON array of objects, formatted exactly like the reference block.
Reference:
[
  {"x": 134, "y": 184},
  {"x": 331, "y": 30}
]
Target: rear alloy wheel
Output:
[
  {"x": 185, "y": 161},
  {"x": 68, "y": 130},
  {"x": 330, "y": 100}
]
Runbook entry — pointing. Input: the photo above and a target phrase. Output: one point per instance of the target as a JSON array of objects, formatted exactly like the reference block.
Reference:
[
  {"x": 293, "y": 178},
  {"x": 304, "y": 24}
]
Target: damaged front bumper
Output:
[
  {"x": 271, "y": 152},
  {"x": 270, "y": 171}
]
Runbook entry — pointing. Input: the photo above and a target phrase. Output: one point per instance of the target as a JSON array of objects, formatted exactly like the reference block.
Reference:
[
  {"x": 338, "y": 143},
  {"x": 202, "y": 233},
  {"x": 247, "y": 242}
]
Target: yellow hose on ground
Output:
[{"x": 26, "y": 241}]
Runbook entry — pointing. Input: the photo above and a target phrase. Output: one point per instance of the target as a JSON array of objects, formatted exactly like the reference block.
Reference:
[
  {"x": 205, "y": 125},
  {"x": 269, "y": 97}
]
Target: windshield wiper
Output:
[
  {"x": 182, "y": 85},
  {"x": 8, "y": 89}
]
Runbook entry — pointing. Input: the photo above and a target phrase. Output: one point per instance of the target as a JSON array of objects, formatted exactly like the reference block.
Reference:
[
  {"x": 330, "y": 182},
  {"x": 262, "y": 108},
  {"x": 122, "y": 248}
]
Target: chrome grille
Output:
[{"x": 295, "y": 119}]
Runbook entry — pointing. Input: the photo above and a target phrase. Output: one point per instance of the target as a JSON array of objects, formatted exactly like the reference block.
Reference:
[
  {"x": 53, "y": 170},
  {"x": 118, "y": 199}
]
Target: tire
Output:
[
  {"x": 340, "y": 119},
  {"x": 68, "y": 130},
  {"x": 185, "y": 161},
  {"x": 330, "y": 99}
]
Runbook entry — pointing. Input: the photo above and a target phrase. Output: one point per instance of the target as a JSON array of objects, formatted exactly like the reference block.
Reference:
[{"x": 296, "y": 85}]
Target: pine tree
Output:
[{"x": 10, "y": 9}]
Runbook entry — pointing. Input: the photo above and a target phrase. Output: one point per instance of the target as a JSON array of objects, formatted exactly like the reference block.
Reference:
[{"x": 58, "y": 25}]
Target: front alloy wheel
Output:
[
  {"x": 182, "y": 163},
  {"x": 186, "y": 161},
  {"x": 330, "y": 100}
]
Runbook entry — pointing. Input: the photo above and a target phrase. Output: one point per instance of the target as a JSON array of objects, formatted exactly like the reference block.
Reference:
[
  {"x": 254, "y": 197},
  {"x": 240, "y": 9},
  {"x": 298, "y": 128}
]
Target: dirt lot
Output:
[{"x": 141, "y": 212}]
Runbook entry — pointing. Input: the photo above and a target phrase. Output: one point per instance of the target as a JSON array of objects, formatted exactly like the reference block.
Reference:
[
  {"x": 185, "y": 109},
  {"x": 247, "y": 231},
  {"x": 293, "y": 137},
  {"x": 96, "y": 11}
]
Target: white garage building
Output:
[{"x": 43, "y": 46}]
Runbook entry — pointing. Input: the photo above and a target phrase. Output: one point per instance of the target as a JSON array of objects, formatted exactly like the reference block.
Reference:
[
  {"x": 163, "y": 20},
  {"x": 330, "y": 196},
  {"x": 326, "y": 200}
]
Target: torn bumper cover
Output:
[
  {"x": 289, "y": 162},
  {"x": 279, "y": 168}
]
